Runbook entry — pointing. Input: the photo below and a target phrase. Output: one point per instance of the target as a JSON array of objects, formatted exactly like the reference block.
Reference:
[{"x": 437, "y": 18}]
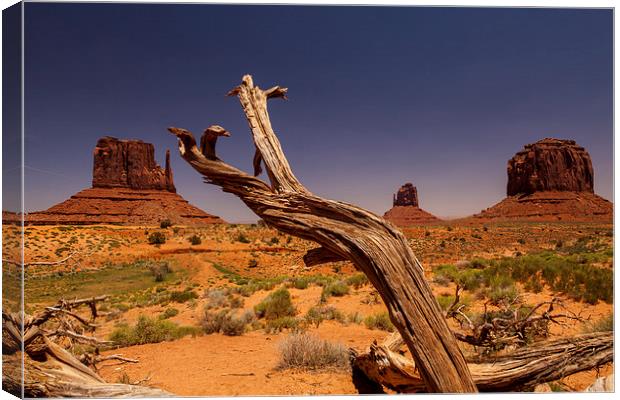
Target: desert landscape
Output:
[
  {"x": 429, "y": 208},
  {"x": 234, "y": 268},
  {"x": 256, "y": 310}
]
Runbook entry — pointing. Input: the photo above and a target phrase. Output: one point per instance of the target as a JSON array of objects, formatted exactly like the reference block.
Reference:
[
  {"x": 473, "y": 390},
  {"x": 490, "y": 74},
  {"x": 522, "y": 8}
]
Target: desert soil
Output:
[{"x": 221, "y": 365}]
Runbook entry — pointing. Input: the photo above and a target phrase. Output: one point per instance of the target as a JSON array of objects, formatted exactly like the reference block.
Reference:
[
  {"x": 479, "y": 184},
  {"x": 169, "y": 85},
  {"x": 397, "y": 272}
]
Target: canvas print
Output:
[{"x": 244, "y": 200}]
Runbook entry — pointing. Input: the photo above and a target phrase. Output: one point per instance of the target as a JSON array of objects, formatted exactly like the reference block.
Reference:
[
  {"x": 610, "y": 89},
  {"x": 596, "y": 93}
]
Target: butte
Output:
[
  {"x": 128, "y": 188},
  {"x": 551, "y": 180},
  {"x": 406, "y": 209}
]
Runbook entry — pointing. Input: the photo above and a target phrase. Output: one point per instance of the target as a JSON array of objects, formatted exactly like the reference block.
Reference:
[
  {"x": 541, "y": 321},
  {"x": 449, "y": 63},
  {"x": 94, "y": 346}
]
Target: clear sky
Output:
[{"x": 441, "y": 97}]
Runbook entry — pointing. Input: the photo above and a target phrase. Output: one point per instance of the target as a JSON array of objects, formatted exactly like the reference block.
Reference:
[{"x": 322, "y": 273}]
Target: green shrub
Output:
[
  {"x": 195, "y": 240},
  {"x": 157, "y": 238},
  {"x": 470, "y": 279},
  {"x": 279, "y": 324},
  {"x": 357, "y": 280},
  {"x": 148, "y": 330},
  {"x": 165, "y": 224},
  {"x": 301, "y": 282},
  {"x": 225, "y": 321},
  {"x": 445, "y": 301},
  {"x": 169, "y": 313},
  {"x": 241, "y": 238},
  {"x": 182, "y": 296},
  {"x": 320, "y": 313},
  {"x": 278, "y": 304},
  {"x": 310, "y": 352},
  {"x": 379, "y": 321},
  {"x": 501, "y": 288},
  {"x": 337, "y": 289},
  {"x": 355, "y": 318}
]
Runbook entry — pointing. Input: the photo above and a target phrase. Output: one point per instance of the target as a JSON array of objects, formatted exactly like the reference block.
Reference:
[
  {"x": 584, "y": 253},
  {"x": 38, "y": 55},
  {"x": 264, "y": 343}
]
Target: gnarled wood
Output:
[
  {"x": 521, "y": 370},
  {"x": 48, "y": 369},
  {"x": 344, "y": 231}
]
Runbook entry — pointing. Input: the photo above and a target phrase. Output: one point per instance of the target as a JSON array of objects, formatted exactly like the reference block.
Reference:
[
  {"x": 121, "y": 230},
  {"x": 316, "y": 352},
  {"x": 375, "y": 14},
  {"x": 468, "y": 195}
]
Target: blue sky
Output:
[{"x": 441, "y": 97}]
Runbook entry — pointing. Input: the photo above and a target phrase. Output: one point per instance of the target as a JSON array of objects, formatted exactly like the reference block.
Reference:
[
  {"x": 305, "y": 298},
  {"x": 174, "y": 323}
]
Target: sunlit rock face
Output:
[{"x": 550, "y": 165}]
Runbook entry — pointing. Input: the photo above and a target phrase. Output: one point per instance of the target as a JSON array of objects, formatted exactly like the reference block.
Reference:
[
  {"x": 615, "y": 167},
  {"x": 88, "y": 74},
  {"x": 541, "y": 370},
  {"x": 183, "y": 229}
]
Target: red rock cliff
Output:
[
  {"x": 129, "y": 164},
  {"x": 407, "y": 195},
  {"x": 550, "y": 165}
]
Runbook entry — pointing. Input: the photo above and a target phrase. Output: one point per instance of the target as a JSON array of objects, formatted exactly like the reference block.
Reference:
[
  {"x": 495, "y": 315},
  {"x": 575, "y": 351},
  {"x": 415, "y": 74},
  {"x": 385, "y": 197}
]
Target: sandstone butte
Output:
[
  {"x": 550, "y": 180},
  {"x": 128, "y": 188},
  {"x": 406, "y": 210}
]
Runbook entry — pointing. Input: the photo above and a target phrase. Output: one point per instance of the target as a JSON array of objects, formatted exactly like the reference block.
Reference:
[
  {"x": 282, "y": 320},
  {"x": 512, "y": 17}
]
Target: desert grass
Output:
[{"x": 307, "y": 351}]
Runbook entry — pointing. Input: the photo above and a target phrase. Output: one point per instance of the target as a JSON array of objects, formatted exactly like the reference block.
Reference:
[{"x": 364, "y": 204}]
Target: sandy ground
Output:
[{"x": 248, "y": 364}]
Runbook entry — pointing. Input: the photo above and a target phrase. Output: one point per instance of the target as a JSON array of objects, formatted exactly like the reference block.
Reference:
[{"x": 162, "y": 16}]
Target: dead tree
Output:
[
  {"x": 520, "y": 370},
  {"x": 507, "y": 325},
  {"x": 50, "y": 369},
  {"x": 344, "y": 232}
]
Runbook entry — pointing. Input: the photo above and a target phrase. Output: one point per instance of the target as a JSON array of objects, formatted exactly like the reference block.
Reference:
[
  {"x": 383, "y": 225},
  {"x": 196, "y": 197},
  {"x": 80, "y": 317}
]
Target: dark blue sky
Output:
[{"x": 441, "y": 97}]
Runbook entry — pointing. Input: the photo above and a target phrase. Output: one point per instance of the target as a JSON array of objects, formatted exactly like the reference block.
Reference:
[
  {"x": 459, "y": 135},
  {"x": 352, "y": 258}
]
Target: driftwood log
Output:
[
  {"x": 49, "y": 370},
  {"x": 521, "y": 370},
  {"x": 344, "y": 232}
]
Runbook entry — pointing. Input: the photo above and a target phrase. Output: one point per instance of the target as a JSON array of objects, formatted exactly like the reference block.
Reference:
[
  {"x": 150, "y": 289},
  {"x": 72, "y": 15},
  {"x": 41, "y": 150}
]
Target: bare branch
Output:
[
  {"x": 344, "y": 232},
  {"x": 521, "y": 370}
]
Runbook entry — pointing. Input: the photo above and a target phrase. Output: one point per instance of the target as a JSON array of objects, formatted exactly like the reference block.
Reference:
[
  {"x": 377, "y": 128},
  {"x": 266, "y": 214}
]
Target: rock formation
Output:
[
  {"x": 129, "y": 164},
  {"x": 407, "y": 195},
  {"x": 128, "y": 188},
  {"x": 406, "y": 210},
  {"x": 551, "y": 180},
  {"x": 550, "y": 165}
]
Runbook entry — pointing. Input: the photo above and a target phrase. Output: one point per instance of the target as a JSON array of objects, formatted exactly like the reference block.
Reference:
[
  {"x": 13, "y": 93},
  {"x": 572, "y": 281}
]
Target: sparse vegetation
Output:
[
  {"x": 169, "y": 313},
  {"x": 319, "y": 313},
  {"x": 278, "y": 304},
  {"x": 166, "y": 223},
  {"x": 308, "y": 351},
  {"x": 182, "y": 296},
  {"x": 605, "y": 324},
  {"x": 379, "y": 321},
  {"x": 148, "y": 330},
  {"x": 242, "y": 238},
  {"x": 159, "y": 270},
  {"x": 225, "y": 321},
  {"x": 357, "y": 281},
  {"x": 157, "y": 238},
  {"x": 337, "y": 289},
  {"x": 195, "y": 240},
  {"x": 572, "y": 274},
  {"x": 222, "y": 298},
  {"x": 279, "y": 324}
]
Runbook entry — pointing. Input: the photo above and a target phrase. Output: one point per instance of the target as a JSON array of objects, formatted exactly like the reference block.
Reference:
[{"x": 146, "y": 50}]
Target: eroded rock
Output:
[{"x": 550, "y": 165}]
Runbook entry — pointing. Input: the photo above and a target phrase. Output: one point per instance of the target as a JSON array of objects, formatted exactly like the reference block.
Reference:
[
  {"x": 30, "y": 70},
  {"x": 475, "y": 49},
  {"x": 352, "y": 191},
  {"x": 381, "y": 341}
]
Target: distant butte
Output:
[
  {"x": 550, "y": 180},
  {"x": 128, "y": 188},
  {"x": 406, "y": 210}
]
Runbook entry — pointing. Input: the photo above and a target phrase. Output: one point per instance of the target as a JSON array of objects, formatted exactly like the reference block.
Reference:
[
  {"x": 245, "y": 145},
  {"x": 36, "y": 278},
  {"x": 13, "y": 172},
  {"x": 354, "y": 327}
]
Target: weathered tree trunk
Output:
[
  {"x": 521, "y": 370},
  {"x": 48, "y": 369},
  {"x": 344, "y": 231}
]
